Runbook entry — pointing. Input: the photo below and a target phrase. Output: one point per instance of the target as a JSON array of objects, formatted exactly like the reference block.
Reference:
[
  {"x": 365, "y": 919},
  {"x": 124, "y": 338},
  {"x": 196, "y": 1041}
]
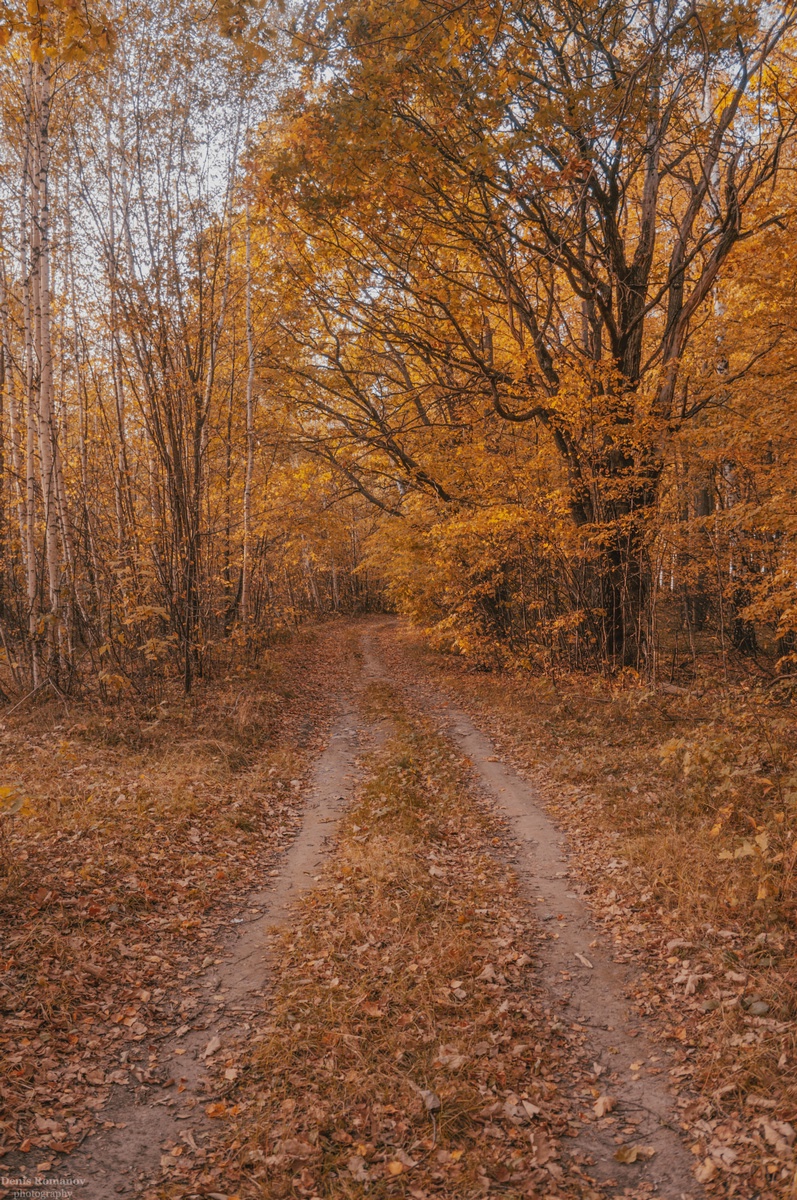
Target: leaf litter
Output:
[
  {"x": 390, "y": 1059},
  {"x": 338, "y": 1099},
  {"x": 146, "y": 833},
  {"x": 640, "y": 782}
]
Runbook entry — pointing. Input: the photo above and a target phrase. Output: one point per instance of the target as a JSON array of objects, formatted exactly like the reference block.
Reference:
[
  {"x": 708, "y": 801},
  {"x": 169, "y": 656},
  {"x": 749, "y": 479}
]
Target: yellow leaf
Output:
[
  {"x": 395, "y": 1168},
  {"x": 632, "y": 1154},
  {"x": 12, "y": 799},
  {"x": 627, "y": 1154}
]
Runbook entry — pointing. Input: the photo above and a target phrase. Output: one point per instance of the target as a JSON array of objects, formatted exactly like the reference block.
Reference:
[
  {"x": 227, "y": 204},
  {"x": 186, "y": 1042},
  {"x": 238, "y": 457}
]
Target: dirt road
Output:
[{"x": 148, "y": 1127}]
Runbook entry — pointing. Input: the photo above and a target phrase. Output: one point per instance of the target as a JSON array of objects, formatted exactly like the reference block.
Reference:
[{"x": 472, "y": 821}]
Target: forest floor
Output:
[{"x": 362, "y": 922}]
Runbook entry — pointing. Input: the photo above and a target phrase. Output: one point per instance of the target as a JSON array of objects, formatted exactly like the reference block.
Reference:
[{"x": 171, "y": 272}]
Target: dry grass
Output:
[
  {"x": 396, "y": 1061},
  {"x": 681, "y": 809}
]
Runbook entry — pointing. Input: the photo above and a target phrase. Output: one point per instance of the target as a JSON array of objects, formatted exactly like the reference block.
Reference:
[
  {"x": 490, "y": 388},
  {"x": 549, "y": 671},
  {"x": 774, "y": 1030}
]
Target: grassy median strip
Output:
[{"x": 407, "y": 1053}]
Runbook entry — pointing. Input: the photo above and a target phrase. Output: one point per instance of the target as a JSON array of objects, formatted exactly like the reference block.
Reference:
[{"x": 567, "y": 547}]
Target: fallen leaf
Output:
[
  {"x": 678, "y": 944},
  {"x": 213, "y": 1045},
  {"x": 188, "y": 1137},
  {"x": 356, "y": 1166},
  {"x": 450, "y": 1058},
  {"x": 779, "y": 1134},
  {"x": 627, "y": 1154},
  {"x": 371, "y": 1010},
  {"x": 295, "y": 1148},
  {"x": 632, "y": 1154},
  {"x": 12, "y": 798},
  {"x": 541, "y": 1148},
  {"x": 603, "y": 1105},
  {"x": 705, "y": 1171}
]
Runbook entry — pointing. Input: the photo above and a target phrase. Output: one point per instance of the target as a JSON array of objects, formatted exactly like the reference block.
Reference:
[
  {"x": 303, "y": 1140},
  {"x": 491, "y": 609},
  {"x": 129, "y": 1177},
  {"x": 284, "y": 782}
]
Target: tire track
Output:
[
  {"x": 150, "y": 1122},
  {"x": 577, "y": 970}
]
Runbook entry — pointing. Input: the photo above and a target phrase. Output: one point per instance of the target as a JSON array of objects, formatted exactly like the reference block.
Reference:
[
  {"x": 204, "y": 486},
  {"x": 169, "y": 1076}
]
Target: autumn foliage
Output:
[{"x": 483, "y": 313}]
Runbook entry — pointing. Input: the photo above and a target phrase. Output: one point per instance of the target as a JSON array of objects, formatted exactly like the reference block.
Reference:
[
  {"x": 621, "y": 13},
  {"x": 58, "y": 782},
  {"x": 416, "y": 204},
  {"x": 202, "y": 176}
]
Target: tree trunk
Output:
[
  {"x": 250, "y": 431},
  {"x": 26, "y": 270},
  {"x": 43, "y": 339}
]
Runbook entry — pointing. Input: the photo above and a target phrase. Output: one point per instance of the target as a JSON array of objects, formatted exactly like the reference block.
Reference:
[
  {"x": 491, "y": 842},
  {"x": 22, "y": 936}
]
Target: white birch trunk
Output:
[
  {"x": 43, "y": 339},
  {"x": 26, "y": 270}
]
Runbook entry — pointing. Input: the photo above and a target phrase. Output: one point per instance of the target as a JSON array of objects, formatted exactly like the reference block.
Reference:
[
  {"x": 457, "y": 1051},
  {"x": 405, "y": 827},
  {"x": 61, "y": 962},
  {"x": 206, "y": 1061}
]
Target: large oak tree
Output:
[{"x": 526, "y": 208}]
